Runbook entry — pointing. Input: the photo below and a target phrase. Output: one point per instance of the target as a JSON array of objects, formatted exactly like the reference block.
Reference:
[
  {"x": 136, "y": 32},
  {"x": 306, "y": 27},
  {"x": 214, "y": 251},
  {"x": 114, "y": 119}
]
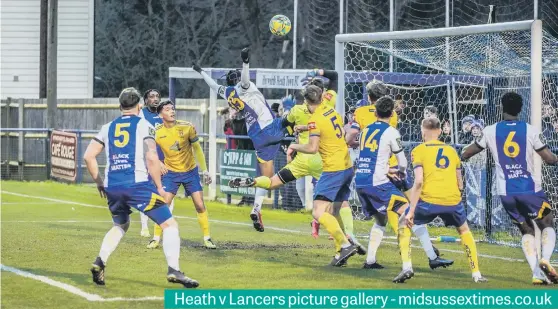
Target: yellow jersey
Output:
[
  {"x": 176, "y": 144},
  {"x": 299, "y": 115},
  {"x": 328, "y": 125},
  {"x": 366, "y": 115},
  {"x": 440, "y": 163},
  {"x": 329, "y": 98}
]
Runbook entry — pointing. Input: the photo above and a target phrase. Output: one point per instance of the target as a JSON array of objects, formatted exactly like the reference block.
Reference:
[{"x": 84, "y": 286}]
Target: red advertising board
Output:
[{"x": 63, "y": 155}]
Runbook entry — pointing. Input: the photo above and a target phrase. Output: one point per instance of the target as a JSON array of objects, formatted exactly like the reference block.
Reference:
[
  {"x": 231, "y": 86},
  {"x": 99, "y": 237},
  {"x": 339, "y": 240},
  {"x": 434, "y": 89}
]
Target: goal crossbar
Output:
[{"x": 435, "y": 33}]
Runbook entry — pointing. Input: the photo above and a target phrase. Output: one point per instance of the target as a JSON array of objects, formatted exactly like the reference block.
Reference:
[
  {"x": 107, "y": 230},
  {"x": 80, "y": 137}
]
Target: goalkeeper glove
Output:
[
  {"x": 206, "y": 178},
  {"x": 196, "y": 67},
  {"x": 245, "y": 55}
]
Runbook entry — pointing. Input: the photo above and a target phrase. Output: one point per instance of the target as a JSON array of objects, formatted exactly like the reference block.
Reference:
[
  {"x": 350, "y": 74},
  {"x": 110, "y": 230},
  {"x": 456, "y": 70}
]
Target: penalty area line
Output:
[
  {"x": 72, "y": 289},
  {"x": 246, "y": 224}
]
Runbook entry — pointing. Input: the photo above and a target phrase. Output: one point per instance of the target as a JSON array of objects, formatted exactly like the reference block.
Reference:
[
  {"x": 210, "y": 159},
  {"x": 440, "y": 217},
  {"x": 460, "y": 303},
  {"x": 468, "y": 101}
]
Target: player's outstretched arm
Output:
[
  {"x": 209, "y": 81},
  {"x": 311, "y": 148},
  {"x": 245, "y": 74},
  {"x": 547, "y": 156},
  {"x": 471, "y": 150},
  {"x": 200, "y": 158},
  {"x": 90, "y": 157},
  {"x": 332, "y": 76}
]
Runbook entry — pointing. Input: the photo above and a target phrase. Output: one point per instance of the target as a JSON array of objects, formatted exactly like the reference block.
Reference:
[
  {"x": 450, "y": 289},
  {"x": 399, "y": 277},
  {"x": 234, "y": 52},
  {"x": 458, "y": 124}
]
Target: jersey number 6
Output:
[
  {"x": 511, "y": 148},
  {"x": 441, "y": 160},
  {"x": 337, "y": 127},
  {"x": 118, "y": 132}
]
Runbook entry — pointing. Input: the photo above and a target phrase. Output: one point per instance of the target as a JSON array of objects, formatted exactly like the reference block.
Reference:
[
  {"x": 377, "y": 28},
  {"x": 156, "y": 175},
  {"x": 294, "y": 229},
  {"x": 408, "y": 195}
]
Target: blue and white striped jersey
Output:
[
  {"x": 378, "y": 142},
  {"x": 123, "y": 141},
  {"x": 513, "y": 145}
]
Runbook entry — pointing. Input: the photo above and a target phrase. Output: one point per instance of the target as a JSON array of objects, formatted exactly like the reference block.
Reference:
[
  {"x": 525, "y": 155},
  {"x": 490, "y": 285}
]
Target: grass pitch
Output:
[{"x": 44, "y": 234}]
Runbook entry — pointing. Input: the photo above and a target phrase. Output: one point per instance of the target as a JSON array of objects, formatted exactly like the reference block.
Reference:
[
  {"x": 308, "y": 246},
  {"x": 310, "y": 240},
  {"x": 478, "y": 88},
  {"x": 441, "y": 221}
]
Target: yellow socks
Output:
[
  {"x": 393, "y": 220},
  {"x": 203, "y": 220},
  {"x": 404, "y": 239},
  {"x": 157, "y": 232},
  {"x": 346, "y": 215},
  {"x": 263, "y": 182},
  {"x": 471, "y": 251},
  {"x": 333, "y": 228}
]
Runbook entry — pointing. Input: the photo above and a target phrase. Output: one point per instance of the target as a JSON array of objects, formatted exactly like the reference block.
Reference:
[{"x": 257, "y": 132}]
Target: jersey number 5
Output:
[
  {"x": 337, "y": 127},
  {"x": 441, "y": 160},
  {"x": 120, "y": 131},
  {"x": 369, "y": 142},
  {"x": 511, "y": 148}
]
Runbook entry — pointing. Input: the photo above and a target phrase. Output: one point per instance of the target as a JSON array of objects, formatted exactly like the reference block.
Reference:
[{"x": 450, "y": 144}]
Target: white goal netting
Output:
[{"x": 463, "y": 77}]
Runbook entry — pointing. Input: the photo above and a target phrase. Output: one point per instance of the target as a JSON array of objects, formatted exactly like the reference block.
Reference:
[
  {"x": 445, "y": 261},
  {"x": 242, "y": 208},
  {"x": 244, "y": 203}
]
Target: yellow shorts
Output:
[{"x": 302, "y": 165}]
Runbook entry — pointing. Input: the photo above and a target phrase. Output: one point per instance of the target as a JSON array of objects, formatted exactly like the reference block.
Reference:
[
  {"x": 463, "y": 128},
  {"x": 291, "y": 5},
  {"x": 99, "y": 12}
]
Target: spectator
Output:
[
  {"x": 430, "y": 111},
  {"x": 476, "y": 128},
  {"x": 238, "y": 125},
  {"x": 399, "y": 105},
  {"x": 446, "y": 132},
  {"x": 465, "y": 136},
  {"x": 227, "y": 128}
]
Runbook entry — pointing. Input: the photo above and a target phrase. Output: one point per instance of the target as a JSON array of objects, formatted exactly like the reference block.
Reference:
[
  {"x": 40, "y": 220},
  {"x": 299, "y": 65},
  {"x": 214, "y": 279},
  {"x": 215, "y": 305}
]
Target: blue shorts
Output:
[
  {"x": 142, "y": 196},
  {"x": 403, "y": 185},
  {"x": 381, "y": 199},
  {"x": 189, "y": 180},
  {"x": 267, "y": 142},
  {"x": 334, "y": 186},
  {"x": 523, "y": 207},
  {"x": 452, "y": 215}
]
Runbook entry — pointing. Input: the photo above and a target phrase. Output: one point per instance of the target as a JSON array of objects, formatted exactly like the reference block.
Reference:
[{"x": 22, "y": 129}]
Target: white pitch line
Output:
[
  {"x": 64, "y": 286},
  {"x": 25, "y": 203},
  {"x": 57, "y": 221},
  {"x": 54, "y": 200},
  {"x": 72, "y": 289},
  {"x": 246, "y": 224}
]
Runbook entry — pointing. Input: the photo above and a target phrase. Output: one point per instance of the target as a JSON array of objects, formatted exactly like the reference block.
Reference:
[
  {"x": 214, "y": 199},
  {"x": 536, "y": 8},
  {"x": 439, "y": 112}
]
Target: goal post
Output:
[
  {"x": 462, "y": 72},
  {"x": 534, "y": 26}
]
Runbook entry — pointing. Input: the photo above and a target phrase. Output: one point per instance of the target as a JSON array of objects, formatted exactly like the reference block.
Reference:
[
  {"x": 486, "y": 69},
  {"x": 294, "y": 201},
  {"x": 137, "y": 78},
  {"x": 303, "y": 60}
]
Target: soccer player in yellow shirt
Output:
[
  {"x": 179, "y": 142},
  {"x": 327, "y": 138},
  {"x": 329, "y": 98},
  {"x": 363, "y": 117},
  {"x": 437, "y": 189}
]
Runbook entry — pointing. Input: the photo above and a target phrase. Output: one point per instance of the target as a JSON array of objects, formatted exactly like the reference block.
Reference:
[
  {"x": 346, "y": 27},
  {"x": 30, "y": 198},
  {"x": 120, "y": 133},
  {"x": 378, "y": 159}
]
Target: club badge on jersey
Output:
[{"x": 233, "y": 99}]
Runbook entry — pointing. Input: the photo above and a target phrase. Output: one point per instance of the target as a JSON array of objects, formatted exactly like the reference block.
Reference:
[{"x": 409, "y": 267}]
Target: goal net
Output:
[{"x": 461, "y": 72}]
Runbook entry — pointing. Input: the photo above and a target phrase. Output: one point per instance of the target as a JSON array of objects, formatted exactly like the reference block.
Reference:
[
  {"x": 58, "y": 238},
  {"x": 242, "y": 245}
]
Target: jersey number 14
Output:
[{"x": 369, "y": 142}]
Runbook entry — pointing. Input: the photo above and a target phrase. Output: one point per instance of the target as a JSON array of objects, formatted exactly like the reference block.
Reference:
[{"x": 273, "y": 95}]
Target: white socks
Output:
[
  {"x": 376, "y": 236},
  {"x": 171, "y": 206},
  {"x": 110, "y": 242},
  {"x": 259, "y": 198},
  {"x": 422, "y": 233},
  {"x": 171, "y": 246},
  {"x": 144, "y": 219},
  {"x": 530, "y": 250},
  {"x": 548, "y": 239}
]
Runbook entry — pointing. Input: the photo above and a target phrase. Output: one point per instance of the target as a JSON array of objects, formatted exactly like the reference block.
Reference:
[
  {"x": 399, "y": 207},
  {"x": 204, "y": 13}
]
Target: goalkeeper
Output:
[{"x": 265, "y": 131}]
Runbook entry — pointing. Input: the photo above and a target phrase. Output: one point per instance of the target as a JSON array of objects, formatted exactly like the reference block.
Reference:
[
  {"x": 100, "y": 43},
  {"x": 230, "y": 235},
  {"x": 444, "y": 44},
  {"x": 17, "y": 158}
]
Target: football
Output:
[{"x": 280, "y": 25}]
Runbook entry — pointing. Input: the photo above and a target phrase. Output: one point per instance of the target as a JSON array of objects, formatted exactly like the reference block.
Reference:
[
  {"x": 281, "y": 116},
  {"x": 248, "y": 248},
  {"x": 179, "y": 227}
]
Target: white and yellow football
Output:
[{"x": 280, "y": 25}]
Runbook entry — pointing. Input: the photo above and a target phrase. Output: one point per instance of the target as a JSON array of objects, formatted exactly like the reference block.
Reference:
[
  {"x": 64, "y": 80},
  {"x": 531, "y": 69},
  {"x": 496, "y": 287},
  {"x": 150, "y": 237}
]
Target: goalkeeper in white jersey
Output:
[{"x": 265, "y": 131}]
